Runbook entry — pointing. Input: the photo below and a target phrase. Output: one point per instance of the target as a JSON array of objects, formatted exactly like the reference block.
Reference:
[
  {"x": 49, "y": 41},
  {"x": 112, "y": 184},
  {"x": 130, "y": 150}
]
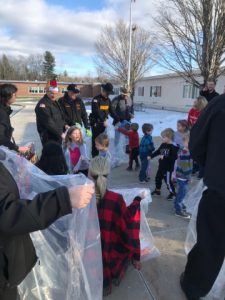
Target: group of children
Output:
[{"x": 175, "y": 163}]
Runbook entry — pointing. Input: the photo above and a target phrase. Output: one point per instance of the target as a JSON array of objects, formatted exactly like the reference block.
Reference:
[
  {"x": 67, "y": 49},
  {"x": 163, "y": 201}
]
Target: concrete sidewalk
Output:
[{"x": 159, "y": 277}]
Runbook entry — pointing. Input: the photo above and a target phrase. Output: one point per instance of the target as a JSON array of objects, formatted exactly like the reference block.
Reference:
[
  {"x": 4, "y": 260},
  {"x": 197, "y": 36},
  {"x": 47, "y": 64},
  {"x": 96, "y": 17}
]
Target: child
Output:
[
  {"x": 133, "y": 144},
  {"x": 75, "y": 151},
  {"x": 52, "y": 160},
  {"x": 146, "y": 148},
  {"x": 183, "y": 174},
  {"x": 193, "y": 115},
  {"x": 119, "y": 226},
  {"x": 102, "y": 145},
  {"x": 182, "y": 130},
  {"x": 167, "y": 153}
]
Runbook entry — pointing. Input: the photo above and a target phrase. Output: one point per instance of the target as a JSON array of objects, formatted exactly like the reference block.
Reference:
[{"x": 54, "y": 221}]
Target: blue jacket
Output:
[{"x": 146, "y": 146}]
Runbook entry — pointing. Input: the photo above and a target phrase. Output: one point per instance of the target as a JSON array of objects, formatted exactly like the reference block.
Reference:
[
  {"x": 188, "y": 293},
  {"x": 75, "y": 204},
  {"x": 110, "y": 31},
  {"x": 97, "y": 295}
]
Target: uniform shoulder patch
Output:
[
  {"x": 95, "y": 100},
  {"x": 42, "y": 105}
]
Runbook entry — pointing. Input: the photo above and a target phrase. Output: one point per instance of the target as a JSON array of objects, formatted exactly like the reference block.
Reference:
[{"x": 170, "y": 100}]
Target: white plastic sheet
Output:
[
  {"x": 69, "y": 251},
  {"x": 148, "y": 248},
  {"x": 192, "y": 202}
]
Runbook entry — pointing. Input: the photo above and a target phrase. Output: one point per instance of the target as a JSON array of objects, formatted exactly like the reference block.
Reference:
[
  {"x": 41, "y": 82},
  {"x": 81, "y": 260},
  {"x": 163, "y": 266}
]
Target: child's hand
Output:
[
  {"x": 143, "y": 194},
  {"x": 105, "y": 123},
  {"x": 149, "y": 158},
  {"x": 161, "y": 157}
]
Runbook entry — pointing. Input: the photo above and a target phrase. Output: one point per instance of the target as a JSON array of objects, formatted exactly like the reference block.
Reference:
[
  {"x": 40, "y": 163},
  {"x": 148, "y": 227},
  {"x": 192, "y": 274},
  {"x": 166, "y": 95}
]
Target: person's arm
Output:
[
  {"x": 199, "y": 134},
  {"x": 5, "y": 141},
  {"x": 113, "y": 113},
  {"x": 156, "y": 153},
  {"x": 173, "y": 153},
  {"x": 114, "y": 103},
  {"x": 84, "y": 115},
  {"x": 65, "y": 115},
  {"x": 24, "y": 216},
  {"x": 44, "y": 117},
  {"x": 97, "y": 114},
  {"x": 123, "y": 131}
]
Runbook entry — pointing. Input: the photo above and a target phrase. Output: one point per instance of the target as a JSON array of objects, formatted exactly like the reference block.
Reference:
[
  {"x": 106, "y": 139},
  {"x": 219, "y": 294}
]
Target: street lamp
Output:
[{"x": 130, "y": 46}]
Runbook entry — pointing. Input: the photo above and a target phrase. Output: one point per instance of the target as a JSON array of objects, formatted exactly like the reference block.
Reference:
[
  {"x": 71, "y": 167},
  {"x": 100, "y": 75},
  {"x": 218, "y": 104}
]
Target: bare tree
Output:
[
  {"x": 191, "y": 38},
  {"x": 112, "y": 49},
  {"x": 35, "y": 66}
]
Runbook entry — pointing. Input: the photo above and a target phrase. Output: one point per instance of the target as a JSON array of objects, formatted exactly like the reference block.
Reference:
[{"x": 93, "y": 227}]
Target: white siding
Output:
[{"x": 171, "y": 92}]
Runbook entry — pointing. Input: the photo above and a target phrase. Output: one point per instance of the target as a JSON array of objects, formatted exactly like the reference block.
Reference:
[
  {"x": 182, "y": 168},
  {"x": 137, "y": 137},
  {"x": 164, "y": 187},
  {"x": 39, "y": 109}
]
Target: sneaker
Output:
[
  {"x": 142, "y": 181},
  {"x": 129, "y": 169},
  {"x": 155, "y": 192},
  {"x": 171, "y": 196},
  {"x": 183, "y": 214}
]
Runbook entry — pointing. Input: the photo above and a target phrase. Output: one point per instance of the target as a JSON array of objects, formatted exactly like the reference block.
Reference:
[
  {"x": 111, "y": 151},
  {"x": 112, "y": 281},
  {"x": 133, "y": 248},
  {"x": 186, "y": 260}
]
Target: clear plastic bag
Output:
[
  {"x": 148, "y": 248},
  {"x": 192, "y": 201},
  {"x": 69, "y": 251}
]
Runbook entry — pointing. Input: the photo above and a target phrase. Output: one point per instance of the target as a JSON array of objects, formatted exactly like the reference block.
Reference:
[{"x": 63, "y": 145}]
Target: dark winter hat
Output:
[
  {"x": 73, "y": 88},
  {"x": 108, "y": 88}
]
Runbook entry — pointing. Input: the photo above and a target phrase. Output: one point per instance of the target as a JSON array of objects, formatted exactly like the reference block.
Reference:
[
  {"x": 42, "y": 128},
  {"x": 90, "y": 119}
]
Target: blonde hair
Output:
[
  {"x": 103, "y": 140},
  {"x": 168, "y": 132},
  {"x": 201, "y": 103},
  {"x": 68, "y": 139},
  {"x": 99, "y": 170}
]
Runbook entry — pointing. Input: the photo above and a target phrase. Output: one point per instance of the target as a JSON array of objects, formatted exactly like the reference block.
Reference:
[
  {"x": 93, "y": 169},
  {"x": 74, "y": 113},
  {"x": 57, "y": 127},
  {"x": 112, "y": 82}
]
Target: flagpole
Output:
[{"x": 130, "y": 48}]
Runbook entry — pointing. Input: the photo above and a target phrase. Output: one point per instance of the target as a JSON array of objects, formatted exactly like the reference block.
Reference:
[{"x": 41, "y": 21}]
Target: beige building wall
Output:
[{"x": 176, "y": 93}]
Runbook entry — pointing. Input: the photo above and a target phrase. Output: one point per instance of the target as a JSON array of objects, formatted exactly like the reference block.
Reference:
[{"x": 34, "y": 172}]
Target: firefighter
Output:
[
  {"x": 49, "y": 116},
  {"x": 101, "y": 108}
]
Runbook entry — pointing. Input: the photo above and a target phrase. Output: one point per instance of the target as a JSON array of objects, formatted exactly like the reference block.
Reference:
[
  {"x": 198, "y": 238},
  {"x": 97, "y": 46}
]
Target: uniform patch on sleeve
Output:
[
  {"x": 95, "y": 100},
  {"x": 42, "y": 105}
]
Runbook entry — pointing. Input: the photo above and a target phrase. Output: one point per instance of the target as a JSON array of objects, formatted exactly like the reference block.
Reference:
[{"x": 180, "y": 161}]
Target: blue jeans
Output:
[
  {"x": 181, "y": 193},
  {"x": 144, "y": 166}
]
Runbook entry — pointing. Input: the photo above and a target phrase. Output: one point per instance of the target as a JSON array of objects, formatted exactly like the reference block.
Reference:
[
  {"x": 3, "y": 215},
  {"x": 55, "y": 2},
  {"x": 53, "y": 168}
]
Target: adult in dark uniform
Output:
[
  {"x": 207, "y": 147},
  {"x": 123, "y": 108},
  {"x": 20, "y": 217},
  {"x": 73, "y": 107},
  {"x": 7, "y": 98},
  {"x": 50, "y": 117},
  {"x": 101, "y": 108}
]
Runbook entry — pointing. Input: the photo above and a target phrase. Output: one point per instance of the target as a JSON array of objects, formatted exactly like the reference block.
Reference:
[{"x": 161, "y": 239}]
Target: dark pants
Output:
[
  {"x": 167, "y": 176},
  {"x": 143, "y": 171},
  {"x": 134, "y": 157},
  {"x": 181, "y": 193},
  {"x": 207, "y": 256},
  {"x": 9, "y": 294},
  {"x": 96, "y": 130}
]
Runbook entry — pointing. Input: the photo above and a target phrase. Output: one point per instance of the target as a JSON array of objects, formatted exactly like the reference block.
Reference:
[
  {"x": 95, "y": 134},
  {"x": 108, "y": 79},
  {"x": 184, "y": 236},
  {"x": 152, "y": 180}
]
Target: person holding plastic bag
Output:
[
  {"x": 19, "y": 217},
  {"x": 207, "y": 148},
  {"x": 7, "y": 98},
  {"x": 119, "y": 226}
]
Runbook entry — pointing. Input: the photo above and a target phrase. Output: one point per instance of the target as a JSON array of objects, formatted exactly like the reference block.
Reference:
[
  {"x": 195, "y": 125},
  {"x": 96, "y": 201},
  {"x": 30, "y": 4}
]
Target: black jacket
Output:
[
  {"x": 207, "y": 144},
  {"x": 122, "y": 108},
  {"x": 209, "y": 96},
  {"x": 20, "y": 217},
  {"x": 6, "y": 129},
  {"x": 101, "y": 108},
  {"x": 74, "y": 111},
  {"x": 50, "y": 119},
  {"x": 169, "y": 152}
]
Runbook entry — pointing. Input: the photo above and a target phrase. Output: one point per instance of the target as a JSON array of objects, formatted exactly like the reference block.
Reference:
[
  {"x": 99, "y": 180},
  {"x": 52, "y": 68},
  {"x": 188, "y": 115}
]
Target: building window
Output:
[
  {"x": 36, "y": 90},
  {"x": 141, "y": 91},
  {"x": 155, "y": 91},
  {"x": 190, "y": 91}
]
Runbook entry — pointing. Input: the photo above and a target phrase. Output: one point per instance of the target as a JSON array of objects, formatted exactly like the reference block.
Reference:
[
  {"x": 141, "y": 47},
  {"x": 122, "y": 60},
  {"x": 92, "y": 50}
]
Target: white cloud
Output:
[{"x": 34, "y": 26}]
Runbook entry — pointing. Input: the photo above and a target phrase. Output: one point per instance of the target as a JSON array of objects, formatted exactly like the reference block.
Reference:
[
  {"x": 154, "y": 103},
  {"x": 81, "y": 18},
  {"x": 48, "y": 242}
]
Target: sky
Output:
[{"x": 67, "y": 28}]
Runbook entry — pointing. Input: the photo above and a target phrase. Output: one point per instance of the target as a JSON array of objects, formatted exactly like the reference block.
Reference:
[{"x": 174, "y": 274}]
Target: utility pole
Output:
[{"x": 130, "y": 47}]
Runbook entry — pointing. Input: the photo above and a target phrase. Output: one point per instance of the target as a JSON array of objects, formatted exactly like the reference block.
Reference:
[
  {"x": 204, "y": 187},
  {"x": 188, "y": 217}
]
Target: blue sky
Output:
[{"x": 67, "y": 28}]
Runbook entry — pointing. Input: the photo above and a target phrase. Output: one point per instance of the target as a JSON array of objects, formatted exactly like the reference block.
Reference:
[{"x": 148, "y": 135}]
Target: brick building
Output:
[{"x": 32, "y": 89}]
